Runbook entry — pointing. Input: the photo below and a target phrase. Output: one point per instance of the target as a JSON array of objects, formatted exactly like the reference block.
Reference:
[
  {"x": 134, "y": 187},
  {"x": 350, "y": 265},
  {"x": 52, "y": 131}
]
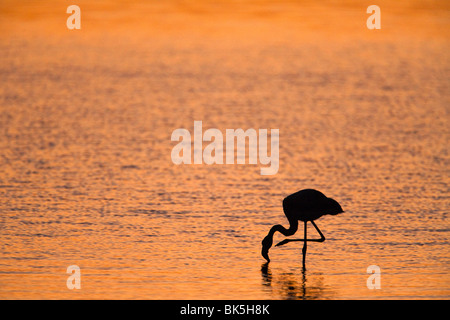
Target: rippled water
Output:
[{"x": 86, "y": 176}]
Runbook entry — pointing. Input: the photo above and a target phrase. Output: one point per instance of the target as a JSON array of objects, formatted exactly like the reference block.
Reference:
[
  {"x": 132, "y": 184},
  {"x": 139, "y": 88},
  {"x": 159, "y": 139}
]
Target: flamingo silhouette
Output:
[{"x": 304, "y": 205}]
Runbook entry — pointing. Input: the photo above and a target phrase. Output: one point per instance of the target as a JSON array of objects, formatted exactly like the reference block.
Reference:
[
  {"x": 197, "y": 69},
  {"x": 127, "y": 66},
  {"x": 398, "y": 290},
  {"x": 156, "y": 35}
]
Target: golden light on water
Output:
[{"x": 86, "y": 176}]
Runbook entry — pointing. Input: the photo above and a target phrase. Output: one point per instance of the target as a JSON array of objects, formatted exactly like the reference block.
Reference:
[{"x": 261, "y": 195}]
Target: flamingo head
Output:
[{"x": 266, "y": 244}]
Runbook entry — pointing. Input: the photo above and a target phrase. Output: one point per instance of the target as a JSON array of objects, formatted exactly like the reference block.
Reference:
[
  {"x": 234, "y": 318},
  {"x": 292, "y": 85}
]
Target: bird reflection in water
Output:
[{"x": 291, "y": 286}]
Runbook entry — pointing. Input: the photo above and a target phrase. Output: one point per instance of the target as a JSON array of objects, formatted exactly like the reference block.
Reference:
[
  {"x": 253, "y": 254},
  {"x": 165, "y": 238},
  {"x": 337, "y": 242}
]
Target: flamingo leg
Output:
[
  {"x": 304, "y": 247},
  {"x": 322, "y": 237}
]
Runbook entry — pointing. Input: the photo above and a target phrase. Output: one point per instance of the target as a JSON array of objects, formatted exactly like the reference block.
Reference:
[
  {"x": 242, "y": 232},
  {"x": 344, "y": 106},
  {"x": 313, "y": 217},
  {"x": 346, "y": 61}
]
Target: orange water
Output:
[{"x": 86, "y": 176}]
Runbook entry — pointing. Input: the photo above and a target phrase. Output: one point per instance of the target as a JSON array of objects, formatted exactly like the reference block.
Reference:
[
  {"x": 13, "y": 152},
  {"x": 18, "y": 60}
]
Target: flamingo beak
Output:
[{"x": 265, "y": 254}]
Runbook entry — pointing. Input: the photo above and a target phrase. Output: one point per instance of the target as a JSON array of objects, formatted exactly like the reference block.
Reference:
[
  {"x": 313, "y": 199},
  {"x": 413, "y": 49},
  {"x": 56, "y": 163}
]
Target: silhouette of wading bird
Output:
[{"x": 304, "y": 205}]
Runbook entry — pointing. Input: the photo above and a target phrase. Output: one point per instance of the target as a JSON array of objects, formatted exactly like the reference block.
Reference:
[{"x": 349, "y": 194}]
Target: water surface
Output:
[{"x": 86, "y": 176}]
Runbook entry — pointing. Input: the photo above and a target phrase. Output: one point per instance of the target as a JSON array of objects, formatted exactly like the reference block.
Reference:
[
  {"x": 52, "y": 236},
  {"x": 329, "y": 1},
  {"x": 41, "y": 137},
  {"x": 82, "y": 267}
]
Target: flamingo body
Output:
[{"x": 309, "y": 205}]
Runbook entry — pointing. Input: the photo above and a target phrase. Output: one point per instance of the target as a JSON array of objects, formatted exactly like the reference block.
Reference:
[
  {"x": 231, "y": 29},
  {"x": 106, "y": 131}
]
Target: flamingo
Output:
[{"x": 304, "y": 205}]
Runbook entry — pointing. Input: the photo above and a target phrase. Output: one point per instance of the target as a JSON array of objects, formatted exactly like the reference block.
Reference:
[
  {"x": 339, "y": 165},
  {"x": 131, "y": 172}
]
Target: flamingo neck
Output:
[{"x": 293, "y": 226}]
